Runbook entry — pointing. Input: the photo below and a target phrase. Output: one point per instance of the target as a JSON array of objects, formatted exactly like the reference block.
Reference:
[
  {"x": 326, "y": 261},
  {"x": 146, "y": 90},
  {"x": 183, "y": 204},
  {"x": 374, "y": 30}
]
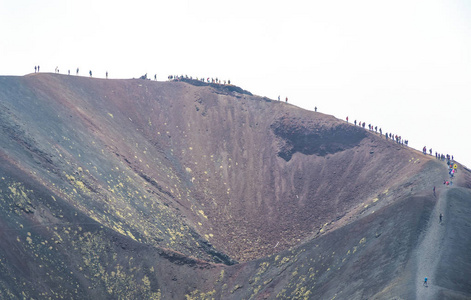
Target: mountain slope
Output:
[{"x": 119, "y": 180}]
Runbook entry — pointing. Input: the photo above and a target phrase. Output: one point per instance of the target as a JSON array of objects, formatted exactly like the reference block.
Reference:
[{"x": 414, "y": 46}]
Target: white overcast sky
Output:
[{"x": 402, "y": 65}]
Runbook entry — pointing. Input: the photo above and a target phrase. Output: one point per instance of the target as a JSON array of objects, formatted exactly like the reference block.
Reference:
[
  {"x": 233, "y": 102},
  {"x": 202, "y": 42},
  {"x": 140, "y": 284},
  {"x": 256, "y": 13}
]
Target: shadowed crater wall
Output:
[{"x": 311, "y": 138}]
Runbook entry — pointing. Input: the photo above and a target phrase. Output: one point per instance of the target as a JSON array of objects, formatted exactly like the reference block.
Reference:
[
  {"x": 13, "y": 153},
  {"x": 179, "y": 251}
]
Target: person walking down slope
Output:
[
  {"x": 90, "y": 73},
  {"x": 286, "y": 99},
  {"x": 347, "y": 119},
  {"x": 425, "y": 282},
  {"x": 440, "y": 218}
]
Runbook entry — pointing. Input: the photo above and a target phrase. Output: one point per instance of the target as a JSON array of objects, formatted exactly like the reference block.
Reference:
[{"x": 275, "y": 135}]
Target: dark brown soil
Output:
[{"x": 140, "y": 189}]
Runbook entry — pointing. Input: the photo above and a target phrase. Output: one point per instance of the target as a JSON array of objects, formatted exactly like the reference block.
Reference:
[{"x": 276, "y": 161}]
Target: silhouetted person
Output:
[
  {"x": 77, "y": 71},
  {"x": 90, "y": 73},
  {"x": 425, "y": 282},
  {"x": 69, "y": 72},
  {"x": 440, "y": 217},
  {"x": 155, "y": 77},
  {"x": 38, "y": 69},
  {"x": 106, "y": 74},
  {"x": 347, "y": 119},
  {"x": 434, "y": 194},
  {"x": 315, "y": 108},
  {"x": 286, "y": 100},
  {"x": 35, "y": 68},
  {"x": 278, "y": 97}
]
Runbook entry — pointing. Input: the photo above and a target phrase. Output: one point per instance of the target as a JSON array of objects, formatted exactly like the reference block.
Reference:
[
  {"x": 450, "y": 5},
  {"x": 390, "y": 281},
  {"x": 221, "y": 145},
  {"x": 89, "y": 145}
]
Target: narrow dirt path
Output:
[{"x": 429, "y": 250}]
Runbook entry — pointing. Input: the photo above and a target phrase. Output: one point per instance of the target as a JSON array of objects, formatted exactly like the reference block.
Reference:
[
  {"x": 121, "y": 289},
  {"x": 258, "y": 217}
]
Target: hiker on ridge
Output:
[
  {"x": 77, "y": 71},
  {"x": 106, "y": 74},
  {"x": 90, "y": 73},
  {"x": 347, "y": 119},
  {"x": 35, "y": 69}
]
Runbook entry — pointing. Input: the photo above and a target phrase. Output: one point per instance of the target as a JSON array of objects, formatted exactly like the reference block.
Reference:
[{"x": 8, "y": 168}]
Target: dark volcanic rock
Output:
[{"x": 137, "y": 189}]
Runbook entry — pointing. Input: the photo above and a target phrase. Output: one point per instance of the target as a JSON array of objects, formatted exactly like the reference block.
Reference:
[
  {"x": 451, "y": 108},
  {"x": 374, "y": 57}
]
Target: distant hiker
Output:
[
  {"x": 155, "y": 77},
  {"x": 229, "y": 81},
  {"x": 425, "y": 282},
  {"x": 315, "y": 108},
  {"x": 69, "y": 72},
  {"x": 77, "y": 71},
  {"x": 434, "y": 190},
  {"x": 440, "y": 218},
  {"x": 347, "y": 119},
  {"x": 380, "y": 132},
  {"x": 38, "y": 69},
  {"x": 56, "y": 70},
  {"x": 286, "y": 99},
  {"x": 90, "y": 73},
  {"x": 35, "y": 69},
  {"x": 278, "y": 97},
  {"x": 355, "y": 122},
  {"x": 106, "y": 74},
  {"x": 424, "y": 150},
  {"x": 430, "y": 151},
  {"x": 363, "y": 124}
]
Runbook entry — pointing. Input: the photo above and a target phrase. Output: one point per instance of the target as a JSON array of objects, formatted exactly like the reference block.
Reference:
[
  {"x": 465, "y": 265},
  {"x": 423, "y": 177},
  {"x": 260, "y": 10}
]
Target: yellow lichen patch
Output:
[
  {"x": 375, "y": 199},
  {"x": 202, "y": 213},
  {"x": 188, "y": 170},
  {"x": 221, "y": 276},
  {"x": 146, "y": 281},
  {"x": 111, "y": 115},
  {"x": 362, "y": 241}
]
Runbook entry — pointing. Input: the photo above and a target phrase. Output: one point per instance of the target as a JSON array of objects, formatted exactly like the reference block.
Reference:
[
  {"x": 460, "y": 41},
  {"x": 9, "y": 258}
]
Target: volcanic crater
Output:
[{"x": 132, "y": 189}]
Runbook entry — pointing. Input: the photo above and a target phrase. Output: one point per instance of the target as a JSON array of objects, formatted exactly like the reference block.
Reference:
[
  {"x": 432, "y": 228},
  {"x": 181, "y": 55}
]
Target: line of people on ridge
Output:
[
  {"x": 399, "y": 140},
  {"x": 207, "y": 80},
  {"x": 393, "y": 137},
  {"x": 56, "y": 70}
]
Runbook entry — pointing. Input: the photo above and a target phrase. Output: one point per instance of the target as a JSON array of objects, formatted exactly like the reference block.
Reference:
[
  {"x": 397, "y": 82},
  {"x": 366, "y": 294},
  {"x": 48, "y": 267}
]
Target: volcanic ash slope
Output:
[{"x": 143, "y": 189}]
